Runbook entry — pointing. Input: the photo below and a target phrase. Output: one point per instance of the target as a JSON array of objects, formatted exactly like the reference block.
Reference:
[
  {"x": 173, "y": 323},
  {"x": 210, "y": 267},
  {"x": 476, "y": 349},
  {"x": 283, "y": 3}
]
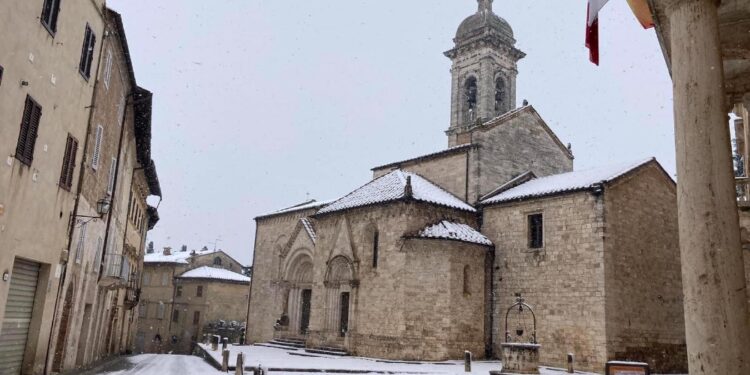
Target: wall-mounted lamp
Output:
[{"x": 102, "y": 208}]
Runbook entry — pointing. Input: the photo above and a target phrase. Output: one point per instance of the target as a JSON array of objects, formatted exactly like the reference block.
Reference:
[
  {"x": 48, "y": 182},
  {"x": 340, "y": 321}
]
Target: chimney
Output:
[
  {"x": 167, "y": 250},
  {"x": 408, "y": 192}
]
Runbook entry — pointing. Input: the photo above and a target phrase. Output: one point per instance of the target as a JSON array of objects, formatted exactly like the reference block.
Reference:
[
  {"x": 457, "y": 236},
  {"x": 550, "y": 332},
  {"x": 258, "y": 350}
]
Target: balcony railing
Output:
[
  {"x": 743, "y": 191},
  {"x": 116, "y": 270}
]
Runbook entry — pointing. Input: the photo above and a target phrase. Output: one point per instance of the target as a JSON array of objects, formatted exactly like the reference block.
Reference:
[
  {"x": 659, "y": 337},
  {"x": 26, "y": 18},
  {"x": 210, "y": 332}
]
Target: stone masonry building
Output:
[
  {"x": 184, "y": 291},
  {"x": 422, "y": 262}
]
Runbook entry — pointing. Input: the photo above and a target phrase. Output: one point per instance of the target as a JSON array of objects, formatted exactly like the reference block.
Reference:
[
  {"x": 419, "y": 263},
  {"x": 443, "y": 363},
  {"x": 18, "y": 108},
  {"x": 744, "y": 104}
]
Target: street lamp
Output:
[{"x": 102, "y": 208}]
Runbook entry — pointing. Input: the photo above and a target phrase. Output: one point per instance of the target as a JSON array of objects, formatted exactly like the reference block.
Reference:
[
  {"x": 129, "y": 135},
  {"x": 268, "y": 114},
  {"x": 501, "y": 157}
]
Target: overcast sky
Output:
[{"x": 260, "y": 104}]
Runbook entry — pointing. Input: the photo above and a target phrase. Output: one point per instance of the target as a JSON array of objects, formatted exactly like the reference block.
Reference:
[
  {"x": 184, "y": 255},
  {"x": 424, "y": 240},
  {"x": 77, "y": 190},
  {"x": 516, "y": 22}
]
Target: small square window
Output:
[
  {"x": 536, "y": 231},
  {"x": 178, "y": 291},
  {"x": 199, "y": 291}
]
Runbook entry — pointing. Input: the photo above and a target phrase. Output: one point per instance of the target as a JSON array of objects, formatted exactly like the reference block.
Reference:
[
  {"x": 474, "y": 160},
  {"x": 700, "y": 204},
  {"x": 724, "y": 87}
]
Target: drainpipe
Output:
[{"x": 71, "y": 223}]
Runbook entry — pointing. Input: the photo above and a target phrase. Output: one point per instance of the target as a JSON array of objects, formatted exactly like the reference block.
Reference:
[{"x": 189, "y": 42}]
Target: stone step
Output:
[
  {"x": 291, "y": 341},
  {"x": 271, "y": 345},
  {"x": 328, "y": 351},
  {"x": 296, "y": 345}
]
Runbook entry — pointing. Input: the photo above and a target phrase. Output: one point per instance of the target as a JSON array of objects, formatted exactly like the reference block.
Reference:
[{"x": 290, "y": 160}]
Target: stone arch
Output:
[
  {"x": 296, "y": 300},
  {"x": 470, "y": 98},
  {"x": 501, "y": 94},
  {"x": 340, "y": 288}
]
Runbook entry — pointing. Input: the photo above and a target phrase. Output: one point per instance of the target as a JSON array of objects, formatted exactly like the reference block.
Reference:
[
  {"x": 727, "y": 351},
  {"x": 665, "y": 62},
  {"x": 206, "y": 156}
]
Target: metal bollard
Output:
[
  {"x": 214, "y": 343},
  {"x": 240, "y": 366},
  {"x": 224, "y": 343},
  {"x": 225, "y": 360},
  {"x": 570, "y": 363},
  {"x": 467, "y": 361}
]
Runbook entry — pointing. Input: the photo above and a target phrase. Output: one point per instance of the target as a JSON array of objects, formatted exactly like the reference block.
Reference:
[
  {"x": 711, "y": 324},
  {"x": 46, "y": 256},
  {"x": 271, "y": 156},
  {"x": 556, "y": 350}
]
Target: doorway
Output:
[
  {"x": 304, "y": 323},
  {"x": 344, "y": 323}
]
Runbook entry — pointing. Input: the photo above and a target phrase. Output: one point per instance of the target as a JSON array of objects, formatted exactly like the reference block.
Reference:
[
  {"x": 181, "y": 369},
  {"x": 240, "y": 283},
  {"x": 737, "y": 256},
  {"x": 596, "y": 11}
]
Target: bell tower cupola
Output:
[{"x": 483, "y": 72}]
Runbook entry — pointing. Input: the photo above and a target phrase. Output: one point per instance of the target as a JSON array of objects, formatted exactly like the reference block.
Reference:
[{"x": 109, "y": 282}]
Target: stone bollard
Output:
[
  {"x": 467, "y": 361},
  {"x": 225, "y": 360},
  {"x": 205, "y": 339},
  {"x": 240, "y": 366},
  {"x": 224, "y": 342},
  {"x": 214, "y": 343},
  {"x": 570, "y": 363}
]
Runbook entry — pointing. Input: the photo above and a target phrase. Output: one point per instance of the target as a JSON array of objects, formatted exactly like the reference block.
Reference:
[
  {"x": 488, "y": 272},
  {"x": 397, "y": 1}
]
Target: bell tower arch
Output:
[{"x": 483, "y": 72}]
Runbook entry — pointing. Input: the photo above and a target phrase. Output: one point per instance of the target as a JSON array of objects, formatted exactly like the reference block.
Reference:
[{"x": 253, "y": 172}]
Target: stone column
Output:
[{"x": 716, "y": 312}]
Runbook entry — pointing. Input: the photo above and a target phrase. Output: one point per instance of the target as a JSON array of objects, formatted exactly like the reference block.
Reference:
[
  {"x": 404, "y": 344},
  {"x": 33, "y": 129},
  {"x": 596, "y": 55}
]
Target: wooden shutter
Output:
[
  {"x": 1, "y": 75},
  {"x": 69, "y": 163},
  {"x": 97, "y": 147},
  {"x": 55, "y": 13},
  {"x": 87, "y": 52},
  {"x": 47, "y": 13},
  {"x": 32, "y": 114},
  {"x": 81, "y": 243}
]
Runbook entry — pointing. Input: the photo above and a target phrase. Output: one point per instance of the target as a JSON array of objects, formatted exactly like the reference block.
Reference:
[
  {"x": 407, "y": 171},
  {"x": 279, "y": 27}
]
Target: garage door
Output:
[{"x": 18, "y": 311}]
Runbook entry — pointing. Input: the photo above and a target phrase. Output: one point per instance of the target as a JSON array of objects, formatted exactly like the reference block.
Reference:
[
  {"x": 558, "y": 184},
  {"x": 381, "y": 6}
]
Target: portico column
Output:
[{"x": 716, "y": 312}]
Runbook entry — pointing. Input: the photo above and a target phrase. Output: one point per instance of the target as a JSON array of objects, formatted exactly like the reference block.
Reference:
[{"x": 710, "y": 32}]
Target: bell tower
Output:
[{"x": 483, "y": 72}]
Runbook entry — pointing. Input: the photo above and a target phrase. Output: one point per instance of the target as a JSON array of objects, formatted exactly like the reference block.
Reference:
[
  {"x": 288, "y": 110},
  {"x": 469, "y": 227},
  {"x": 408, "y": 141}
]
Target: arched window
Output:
[
  {"x": 470, "y": 97},
  {"x": 499, "y": 96},
  {"x": 467, "y": 288},
  {"x": 217, "y": 261}
]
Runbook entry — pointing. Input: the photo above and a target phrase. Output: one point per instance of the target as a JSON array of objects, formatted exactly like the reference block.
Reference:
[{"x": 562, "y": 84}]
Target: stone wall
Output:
[
  {"x": 643, "y": 279},
  {"x": 516, "y": 143},
  {"x": 272, "y": 233},
  {"x": 385, "y": 319},
  {"x": 563, "y": 281},
  {"x": 448, "y": 172}
]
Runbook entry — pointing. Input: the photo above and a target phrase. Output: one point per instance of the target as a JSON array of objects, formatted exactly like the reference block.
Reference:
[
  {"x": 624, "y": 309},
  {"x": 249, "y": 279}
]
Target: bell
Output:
[{"x": 519, "y": 331}]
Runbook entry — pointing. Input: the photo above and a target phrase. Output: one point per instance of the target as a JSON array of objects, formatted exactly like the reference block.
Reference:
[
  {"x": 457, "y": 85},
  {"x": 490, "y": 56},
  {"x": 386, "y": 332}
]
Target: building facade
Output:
[
  {"x": 107, "y": 173},
  {"x": 184, "y": 291},
  {"x": 49, "y": 58},
  {"x": 423, "y": 261}
]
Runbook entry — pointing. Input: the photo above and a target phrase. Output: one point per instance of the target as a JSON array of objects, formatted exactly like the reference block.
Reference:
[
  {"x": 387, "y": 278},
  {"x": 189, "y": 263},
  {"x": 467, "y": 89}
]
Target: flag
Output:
[{"x": 592, "y": 29}]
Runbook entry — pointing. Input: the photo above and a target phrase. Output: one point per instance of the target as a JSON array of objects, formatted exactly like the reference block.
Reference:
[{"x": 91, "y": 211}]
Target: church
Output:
[{"x": 423, "y": 261}]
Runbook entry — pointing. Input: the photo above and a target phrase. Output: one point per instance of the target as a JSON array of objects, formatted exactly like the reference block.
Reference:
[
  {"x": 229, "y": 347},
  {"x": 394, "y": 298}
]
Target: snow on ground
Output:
[
  {"x": 156, "y": 364},
  {"x": 277, "y": 358}
]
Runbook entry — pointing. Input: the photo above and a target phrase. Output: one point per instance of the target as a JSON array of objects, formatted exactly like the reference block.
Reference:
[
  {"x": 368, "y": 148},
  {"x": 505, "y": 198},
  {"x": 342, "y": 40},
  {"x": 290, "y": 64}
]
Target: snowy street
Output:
[{"x": 155, "y": 364}]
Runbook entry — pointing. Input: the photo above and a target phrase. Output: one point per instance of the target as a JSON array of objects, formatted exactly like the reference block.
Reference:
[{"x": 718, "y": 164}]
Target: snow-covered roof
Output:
[
  {"x": 299, "y": 207},
  {"x": 180, "y": 257},
  {"x": 391, "y": 187},
  {"x": 309, "y": 228},
  {"x": 571, "y": 181},
  {"x": 449, "y": 230},
  {"x": 206, "y": 272}
]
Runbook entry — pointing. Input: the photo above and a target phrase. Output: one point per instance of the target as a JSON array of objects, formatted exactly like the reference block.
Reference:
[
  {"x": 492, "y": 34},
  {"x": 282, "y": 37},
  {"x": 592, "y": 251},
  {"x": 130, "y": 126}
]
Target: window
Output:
[
  {"x": 178, "y": 291},
  {"x": 32, "y": 114},
  {"x": 467, "y": 286},
  {"x": 176, "y": 315},
  {"x": 470, "y": 96},
  {"x": 108, "y": 69},
  {"x": 146, "y": 278},
  {"x": 217, "y": 261},
  {"x": 536, "y": 231},
  {"x": 199, "y": 291},
  {"x": 499, "y": 96},
  {"x": 196, "y": 317},
  {"x": 121, "y": 109},
  {"x": 160, "y": 311},
  {"x": 69, "y": 163},
  {"x": 112, "y": 174},
  {"x": 97, "y": 147},
  {"x": 165, "y": 279},
  {"x": 87, "y": 53},
  {"x": 50, "y": 11},
  {"x": 375, "y": 249},
  {"x": 81, "y": 243},
  {"x": 1, "y": 75},
  {"x": 98, "y": 259},
  {"x": 143, "y": 312}
]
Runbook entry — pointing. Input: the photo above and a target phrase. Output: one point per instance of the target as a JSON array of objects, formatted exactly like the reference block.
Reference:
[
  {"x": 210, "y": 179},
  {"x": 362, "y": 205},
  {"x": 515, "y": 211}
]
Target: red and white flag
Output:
[{"x": 592, "y": 29}]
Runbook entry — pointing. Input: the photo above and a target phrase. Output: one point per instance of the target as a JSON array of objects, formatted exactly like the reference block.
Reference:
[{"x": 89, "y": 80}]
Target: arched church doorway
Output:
[
  {"x": 298, "y": 298},
  {"x": 340, "y": 287}
]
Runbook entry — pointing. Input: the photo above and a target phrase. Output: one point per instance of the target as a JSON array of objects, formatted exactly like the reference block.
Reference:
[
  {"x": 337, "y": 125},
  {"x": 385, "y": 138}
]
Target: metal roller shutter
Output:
[{"x": 18, "y": 312}]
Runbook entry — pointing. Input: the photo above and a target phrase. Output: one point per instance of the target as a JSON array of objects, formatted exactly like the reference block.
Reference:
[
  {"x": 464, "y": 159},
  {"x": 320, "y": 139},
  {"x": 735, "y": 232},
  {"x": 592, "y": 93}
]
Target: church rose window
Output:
[{"x": 536, "y": 231}]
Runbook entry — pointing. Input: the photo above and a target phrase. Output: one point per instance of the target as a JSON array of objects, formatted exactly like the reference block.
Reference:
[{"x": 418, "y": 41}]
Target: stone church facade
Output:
[{"x": 422, "y": 262}]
